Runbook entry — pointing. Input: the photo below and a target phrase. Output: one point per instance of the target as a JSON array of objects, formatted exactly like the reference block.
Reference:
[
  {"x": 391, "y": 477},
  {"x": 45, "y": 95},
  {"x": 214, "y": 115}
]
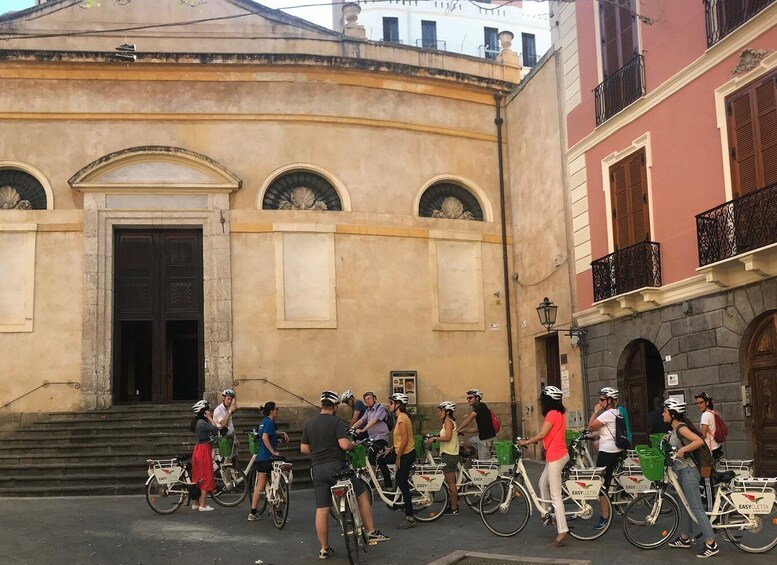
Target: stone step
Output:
[
  {"x": 148, "y": 423},
  {"x": 250, "y": 418},
  {"x": 118, "y": 434}
]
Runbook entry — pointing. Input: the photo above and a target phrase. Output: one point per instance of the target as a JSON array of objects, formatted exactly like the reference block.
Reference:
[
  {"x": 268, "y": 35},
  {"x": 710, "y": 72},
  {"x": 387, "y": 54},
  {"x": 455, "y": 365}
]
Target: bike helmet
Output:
[
  {"x": 399, "y": 397},
  {"x": 228, "y": 392},
  {"x": 552, "y": 392},
  {"x": 609, "y": 392},
  {"x": 346, "y": 395},
  {"x": 475, "y": 392},
  {"x": 704, "y": 396},
  {"x": 673, "y": 404},
  {"x": 199, "y": 405},
  {"x": 446, "y": 405},
  {"x": 330, "y": 396},
  {"x": 369, "y": 393}
]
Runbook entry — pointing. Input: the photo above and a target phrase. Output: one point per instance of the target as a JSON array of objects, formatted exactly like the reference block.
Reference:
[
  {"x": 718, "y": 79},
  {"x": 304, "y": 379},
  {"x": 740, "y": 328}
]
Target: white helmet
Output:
[
  {"x": 228, "y": 392},
  {"x": 330, "y": 396},
  {"x": 199, "y": 405},
  {"x": 475, "y": 392},
  {"x": 346, "y": 395},
  {"x": 447, "y": 405},
  {"x": 399, "y": 397},
  {"x": 552, "y": 392},
  {"x": 609, "y": 392},
  {"x": 673, "y": 404}
]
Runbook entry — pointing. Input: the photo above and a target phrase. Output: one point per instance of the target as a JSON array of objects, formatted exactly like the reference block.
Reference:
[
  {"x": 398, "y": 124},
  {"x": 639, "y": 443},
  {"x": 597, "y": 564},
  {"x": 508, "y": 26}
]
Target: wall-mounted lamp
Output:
[{"x": 547, "y": 313}]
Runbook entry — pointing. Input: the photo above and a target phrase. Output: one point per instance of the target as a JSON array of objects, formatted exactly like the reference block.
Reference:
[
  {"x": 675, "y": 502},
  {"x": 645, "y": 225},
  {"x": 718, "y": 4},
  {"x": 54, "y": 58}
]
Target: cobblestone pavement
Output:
[{"x": 124, "y": 530}]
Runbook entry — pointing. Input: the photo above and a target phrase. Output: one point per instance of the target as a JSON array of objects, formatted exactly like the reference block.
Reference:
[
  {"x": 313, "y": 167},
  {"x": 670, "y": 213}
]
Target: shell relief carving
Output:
[
  {"x": 301, "y": 198},
  {"x": 452, "y": 209},
  {"x": 10, "y": 200}
]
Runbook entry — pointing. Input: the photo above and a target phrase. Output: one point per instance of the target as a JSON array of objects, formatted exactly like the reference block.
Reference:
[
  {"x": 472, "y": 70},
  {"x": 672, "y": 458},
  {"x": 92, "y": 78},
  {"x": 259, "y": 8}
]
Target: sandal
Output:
[{"x": 559, "y": 542}]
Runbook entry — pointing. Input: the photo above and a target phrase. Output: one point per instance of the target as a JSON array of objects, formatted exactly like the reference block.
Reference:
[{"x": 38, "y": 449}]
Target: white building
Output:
[{"x": 459, "y": 26}]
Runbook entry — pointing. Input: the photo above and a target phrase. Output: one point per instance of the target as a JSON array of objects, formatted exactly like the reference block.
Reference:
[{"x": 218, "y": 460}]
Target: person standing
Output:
[
  {"x": 707, "y": 428},
  {"x": 655, "y": 419},
  {"x": 603, "y": 421},
  {"x": 553, "y": 436},
  {"x": 482, "y": 416},
  {"x": 204, "y": 428},
  {"x": 374, "y": 424},
  {"x": 404, "y": 450},
  {"x": 449, "y": 452},
  {"x": 268, "y": 448},
  {"x": 686, "y": 438},
  {"x": 222, "y": 415},
  {"x": 325, "y": 439}
]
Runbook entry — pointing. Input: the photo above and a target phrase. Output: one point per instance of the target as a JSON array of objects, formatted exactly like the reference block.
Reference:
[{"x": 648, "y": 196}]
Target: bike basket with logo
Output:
[
  {"x": 655, "y": 440},
  {"x": 651, "y": 460},
  {"x": 166, "y": 471},
  {"x": 358, "y": 457},
  {"x": 253, "y": 443},
  {"x": 427, "y": 478},
  {"x": 484, "y": 472},
  {"x": 585, "y": 484},
  {"x": 742, "y": 467},
  {"x": 633, "y": 481},
  {"x": 753, "y": 495},
  {"x": 225, "y": 446},
  {"x": 632, "y": 460},
  {"x": 505, "y": 452}
]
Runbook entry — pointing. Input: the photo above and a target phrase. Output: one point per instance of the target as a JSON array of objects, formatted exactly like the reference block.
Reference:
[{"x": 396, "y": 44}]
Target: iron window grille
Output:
[
  {"x": 26, "y": 186},
  {"x": 435, "y": 203},
  {"x": 631, "y": 268},
  {"x": 619, "y": 90},
  {"x": 724, "y": 16},
  {"x": 737, "y": 226},
  {"x": 282, "y": 193}
]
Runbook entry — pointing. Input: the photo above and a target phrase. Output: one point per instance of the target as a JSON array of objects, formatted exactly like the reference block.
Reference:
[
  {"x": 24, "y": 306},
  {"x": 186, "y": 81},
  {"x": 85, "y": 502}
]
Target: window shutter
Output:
[
  {"x": 628, "y": 192},
  {"x": 640, "y": 217},
  {"x": 609, "y": 30},
  {"x": 627, "y": 36},
  {"x": 766, "y": 103}
]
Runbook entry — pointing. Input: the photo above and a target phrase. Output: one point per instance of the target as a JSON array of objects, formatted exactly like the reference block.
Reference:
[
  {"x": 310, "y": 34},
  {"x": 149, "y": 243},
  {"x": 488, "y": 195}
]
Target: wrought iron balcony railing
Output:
[
  {"x": 724, "y": 16},
  {"x": 738, "y": 226},
  {"x": 438, "y": 44},
  {"x": 630, "y": 268},
  {"x": 619, "y": 90},
  {"x": 487, "y": 52}
]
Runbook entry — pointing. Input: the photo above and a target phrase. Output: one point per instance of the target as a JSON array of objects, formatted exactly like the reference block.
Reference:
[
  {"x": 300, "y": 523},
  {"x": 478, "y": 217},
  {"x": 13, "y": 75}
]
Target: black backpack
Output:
[
  {"x": 389, "y": 418},
  {"x": 621, "y": 434}
]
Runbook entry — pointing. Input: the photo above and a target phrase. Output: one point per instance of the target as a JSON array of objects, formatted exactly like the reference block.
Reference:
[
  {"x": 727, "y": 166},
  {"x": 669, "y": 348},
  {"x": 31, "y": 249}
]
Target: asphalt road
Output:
[{"x": 124, "y": 530}]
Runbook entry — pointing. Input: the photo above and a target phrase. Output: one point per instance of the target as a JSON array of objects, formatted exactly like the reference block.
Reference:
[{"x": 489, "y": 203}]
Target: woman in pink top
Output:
[{"x": 553, "y": 436}]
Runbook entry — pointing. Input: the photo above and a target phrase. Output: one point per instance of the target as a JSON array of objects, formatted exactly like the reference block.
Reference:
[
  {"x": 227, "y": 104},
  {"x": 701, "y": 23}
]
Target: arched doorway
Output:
[
  {"x": 762, "y": 376},
  {"x": 640, "y": 380}
]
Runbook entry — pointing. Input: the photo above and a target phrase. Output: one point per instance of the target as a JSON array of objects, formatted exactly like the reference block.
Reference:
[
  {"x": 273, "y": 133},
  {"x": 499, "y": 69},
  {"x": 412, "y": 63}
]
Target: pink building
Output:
[{"x": 671, "y": 119}]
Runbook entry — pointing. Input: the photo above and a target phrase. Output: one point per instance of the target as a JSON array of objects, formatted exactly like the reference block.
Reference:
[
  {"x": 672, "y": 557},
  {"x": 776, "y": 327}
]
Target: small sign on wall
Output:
[
  {"x": 676, "y": 395},
  {"x": 565, "y": 383},
  {"x": 672, "y": 379},
  {"x": 405, "y": 382}
]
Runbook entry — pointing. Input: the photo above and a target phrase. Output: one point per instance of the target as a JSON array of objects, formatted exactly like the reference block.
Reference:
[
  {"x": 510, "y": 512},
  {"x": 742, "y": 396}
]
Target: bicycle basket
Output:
[
  {"x": 358, "y": 457},
  {"x": 427, "y": 478},
  {"x": 570, "y": 436},
  {"x": 651, "y": 460},
  {"x": 225, "y": 446},
  {"x": 484, "y": 472},
  {"x": 505, "y": 452},
  {"x": 742, "y": 467},
  {"x": 253, "y": 443},
  {"x": 166, "y": 471},
  {"x": 632, "y": 460},
  {"x": 655, "y": 440},
  {"x": 585, "y": 484}
]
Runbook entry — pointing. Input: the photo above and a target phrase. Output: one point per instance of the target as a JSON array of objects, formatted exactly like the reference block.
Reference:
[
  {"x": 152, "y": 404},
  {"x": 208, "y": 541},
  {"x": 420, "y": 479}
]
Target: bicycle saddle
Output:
[
  {"x": 343, "y": 474},
  {"x": 723, "y": 476},
  {"x": 277, "y": 458},
  {"x": 468, "y": 453},
  {"x": 184, "y": 458}
]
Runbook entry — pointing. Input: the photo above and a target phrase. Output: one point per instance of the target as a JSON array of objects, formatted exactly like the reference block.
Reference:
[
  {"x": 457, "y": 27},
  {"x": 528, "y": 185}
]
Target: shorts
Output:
[
  {"x": 609, "y": 461},
  {"x": 451, "y": 462},
  {"x": 264, "y": 467},
  {"x": 323, "y": 481}
]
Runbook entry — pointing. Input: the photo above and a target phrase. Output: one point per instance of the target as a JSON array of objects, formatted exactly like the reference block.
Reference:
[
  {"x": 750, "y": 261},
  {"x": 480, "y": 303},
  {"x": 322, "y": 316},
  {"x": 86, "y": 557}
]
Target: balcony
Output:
[
  {"x": 724, "y": 16},
  {"x": 635, "y": 267},
  {"x": 436, "y": 44},
  {"x": 487, "y": 52},
  {"x": 620, "y": 89},
  {"x": 739, "y": 226}
]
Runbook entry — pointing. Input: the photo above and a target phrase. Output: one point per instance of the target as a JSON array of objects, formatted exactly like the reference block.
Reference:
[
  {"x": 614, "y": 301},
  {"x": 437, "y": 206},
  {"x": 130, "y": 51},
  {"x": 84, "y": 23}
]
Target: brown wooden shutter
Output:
[
  {"x": 628, "y": 192},
  {"x": 766, "y": 103},
  {"x": 619, "y": 35},
  {"x": 627, "y": 36}
]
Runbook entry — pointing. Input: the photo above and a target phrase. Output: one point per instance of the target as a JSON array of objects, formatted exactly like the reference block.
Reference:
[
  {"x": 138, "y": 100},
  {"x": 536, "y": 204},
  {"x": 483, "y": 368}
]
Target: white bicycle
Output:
[
  {"x": 346, "y": 507},
  {"x": 277, "y": 491}
]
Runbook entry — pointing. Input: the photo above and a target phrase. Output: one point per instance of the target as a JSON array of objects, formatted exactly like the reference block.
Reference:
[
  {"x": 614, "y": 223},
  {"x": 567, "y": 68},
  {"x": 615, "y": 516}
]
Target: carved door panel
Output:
[
  {"x": 636, "y": 398},
  {"x": 763, "y": 387}
]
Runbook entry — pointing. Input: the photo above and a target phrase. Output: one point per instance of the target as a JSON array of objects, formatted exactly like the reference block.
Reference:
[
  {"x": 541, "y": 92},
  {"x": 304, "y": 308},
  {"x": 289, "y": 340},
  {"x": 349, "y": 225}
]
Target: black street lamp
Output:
[{"x": 547, "y": 313}]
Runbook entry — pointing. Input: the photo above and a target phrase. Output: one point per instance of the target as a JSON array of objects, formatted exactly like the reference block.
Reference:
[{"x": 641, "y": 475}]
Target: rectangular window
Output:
[
  {"x": 618, "y": 27},
  {"x": 428, "y": 34},
  {"x": 752, "y": 135},
  {"x": 491, "y": 42},
  {"x": 628, "y": 194},
  {"x": 391, "y": 30},
  {"x": 529, "y": 49}
]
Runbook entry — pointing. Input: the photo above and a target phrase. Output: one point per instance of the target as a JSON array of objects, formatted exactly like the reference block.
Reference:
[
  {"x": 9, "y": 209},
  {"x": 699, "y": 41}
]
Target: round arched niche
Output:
[
  {"x": 640, "y": 380},
  {"x": 452, "y": 197},
  {"x": 20, "y": 190},
  {"x": 301, "y": 190}
]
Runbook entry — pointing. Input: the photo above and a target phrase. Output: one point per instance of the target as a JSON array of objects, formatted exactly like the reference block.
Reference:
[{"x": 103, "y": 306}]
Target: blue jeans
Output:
[{"x": 689, "y": 481}]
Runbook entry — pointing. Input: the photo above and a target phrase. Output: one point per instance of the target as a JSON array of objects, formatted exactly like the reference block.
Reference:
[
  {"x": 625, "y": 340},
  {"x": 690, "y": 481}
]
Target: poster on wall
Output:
[
  {"x": 405, "y": 382},
  {"x": 676, "y": 395}
]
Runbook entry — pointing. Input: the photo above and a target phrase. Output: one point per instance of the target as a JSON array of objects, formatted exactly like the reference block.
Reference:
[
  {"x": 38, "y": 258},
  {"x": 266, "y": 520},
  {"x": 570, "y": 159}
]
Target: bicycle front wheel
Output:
[
  {"x": 755, "y": 534},
  {"x": 651, "y": 520},
  {"x": 161, "y": 499},
  {"x": 350, "y": 535},
  {"x": 512, "y": 512},
  {"x": 231, "y": 487},
  {"x": 280, "y": 510},
  {"x": 429, "y": 506}
]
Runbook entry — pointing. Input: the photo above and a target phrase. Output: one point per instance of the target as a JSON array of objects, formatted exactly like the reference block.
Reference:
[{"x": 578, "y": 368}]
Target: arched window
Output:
[
  {"x": 450, "y": 201},
  {"x": 301, "y": 190},
  {"x": 20, "y": 191}
]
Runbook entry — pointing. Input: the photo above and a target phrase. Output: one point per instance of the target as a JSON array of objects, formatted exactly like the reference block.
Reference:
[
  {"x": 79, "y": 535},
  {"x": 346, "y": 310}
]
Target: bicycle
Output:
[
  {"x": 507, "y": 503},
  {"x": 231, "y": 483},
  {"x": 744, "y": 508},
  {"x": 277, "y": 491},
  {"x": 346, "y": 507},
  {"x": 169, "y": 484},
  {"x": 250, "y": 471}
]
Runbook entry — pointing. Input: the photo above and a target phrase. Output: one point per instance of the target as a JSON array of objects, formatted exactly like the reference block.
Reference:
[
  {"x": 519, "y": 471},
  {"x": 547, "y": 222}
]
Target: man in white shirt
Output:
[
  {"x": 222, "y": 415},
  {"x": 603, "y": 420},
  {"x": 705, "y": 406}
]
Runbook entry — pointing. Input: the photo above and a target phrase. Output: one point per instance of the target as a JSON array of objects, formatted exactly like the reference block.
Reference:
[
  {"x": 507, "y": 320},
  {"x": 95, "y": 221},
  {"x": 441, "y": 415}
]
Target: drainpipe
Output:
[{"x": 503, "y": 204}]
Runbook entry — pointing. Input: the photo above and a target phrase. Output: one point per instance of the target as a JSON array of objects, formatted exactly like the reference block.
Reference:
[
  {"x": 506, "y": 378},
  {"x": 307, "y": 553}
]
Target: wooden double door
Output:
[
  {"x": 158, "y": 346},
  {"x": 762, "y": 361}
]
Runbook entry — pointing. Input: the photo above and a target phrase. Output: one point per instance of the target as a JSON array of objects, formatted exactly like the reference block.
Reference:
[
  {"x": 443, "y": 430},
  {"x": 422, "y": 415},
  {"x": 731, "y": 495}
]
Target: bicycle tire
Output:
[
  {"x": 161, "y": 500},
  {"x": 429, "y": 507},
  {"x": 350, "y": 535},
  {"x": 760, "y": 538},
  {"x": 280, "y": 510},
  {"x": 650, "y": 536},
  {"x": 233, "y": 493},
  {"x": 584, "y": 527},
  {"x": 512, "y": 514}
]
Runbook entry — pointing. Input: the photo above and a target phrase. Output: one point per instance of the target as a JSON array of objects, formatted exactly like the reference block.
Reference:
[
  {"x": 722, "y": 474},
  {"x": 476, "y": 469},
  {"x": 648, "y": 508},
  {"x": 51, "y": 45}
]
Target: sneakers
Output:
[
  {"x": 407, "y": 523},
  {"x": 601, "y": 523},
  {"x": 680, "y": 542},
  {"x": 195, "y": 506},
  {"x": 377, "y": 536},
  {"x": 253, "y": 517},
  {"x": 708, "y": 550},
  {"x": 326, "y": 553},
  {"x": 451, "y": 512},
  {"x": 206, "y": 509}
]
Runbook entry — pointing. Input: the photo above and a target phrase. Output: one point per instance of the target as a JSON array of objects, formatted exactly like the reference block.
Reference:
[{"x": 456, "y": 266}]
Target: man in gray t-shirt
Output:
[{"x": 325, "y": 440}]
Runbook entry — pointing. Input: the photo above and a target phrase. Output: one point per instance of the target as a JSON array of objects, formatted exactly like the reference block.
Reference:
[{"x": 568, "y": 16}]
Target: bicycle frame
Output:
[
  {"x": 466, "y": 484},
  {"x": 279, "y": 469}
]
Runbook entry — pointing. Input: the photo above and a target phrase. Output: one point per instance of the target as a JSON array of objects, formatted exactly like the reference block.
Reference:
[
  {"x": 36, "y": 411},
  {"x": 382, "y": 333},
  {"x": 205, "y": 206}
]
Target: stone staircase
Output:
[{"x": 104, "y": 451}]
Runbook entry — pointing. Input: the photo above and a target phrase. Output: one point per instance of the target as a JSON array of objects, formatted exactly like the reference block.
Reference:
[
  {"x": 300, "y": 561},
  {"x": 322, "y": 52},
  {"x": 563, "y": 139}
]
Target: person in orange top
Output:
[
  {"x": 404, "y": 449},
  {"x": 553, "y": 436}
]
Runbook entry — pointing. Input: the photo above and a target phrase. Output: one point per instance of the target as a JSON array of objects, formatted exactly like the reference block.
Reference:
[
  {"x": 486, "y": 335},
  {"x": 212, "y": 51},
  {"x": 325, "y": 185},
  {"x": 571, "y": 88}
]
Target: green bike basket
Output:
[
  {"x": 655, "y": 440},
  {"x": 358, "y": 457},
  {"x": 253, "y": 443},
  {"x": 505, "y": 452},
  {"x": 225, "y": 446},
  {"x": 651, "y": 460}
]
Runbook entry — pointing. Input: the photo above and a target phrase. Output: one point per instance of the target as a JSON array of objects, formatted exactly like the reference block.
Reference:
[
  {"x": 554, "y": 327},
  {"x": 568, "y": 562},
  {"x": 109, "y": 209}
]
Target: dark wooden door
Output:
[
  {"x": 763, "y": 389},
  {"x": 553, "y": 363},
  {"x": 636, "y": 398},
  {"x": 158, "y": 315}
]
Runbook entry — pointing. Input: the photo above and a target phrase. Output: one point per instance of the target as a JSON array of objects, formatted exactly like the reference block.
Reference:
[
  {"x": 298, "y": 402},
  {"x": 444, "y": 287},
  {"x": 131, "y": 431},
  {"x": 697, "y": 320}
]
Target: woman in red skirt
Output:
[{"x": 204, "y": 428}]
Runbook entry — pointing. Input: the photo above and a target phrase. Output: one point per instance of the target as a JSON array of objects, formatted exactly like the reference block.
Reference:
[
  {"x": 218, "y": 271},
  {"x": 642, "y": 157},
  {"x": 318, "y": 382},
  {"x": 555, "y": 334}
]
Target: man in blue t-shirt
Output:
[{"x": 357, "y": 407}]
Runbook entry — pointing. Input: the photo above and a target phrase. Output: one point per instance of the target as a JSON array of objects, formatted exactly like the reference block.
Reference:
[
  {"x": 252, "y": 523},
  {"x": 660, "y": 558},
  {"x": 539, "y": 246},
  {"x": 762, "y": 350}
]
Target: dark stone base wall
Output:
[{"x": 707, "y": 347}]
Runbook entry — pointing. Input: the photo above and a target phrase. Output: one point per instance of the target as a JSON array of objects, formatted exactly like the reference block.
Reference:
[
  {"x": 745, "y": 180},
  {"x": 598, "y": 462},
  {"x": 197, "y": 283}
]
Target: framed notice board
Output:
[{"x": 405, "y": 382}]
